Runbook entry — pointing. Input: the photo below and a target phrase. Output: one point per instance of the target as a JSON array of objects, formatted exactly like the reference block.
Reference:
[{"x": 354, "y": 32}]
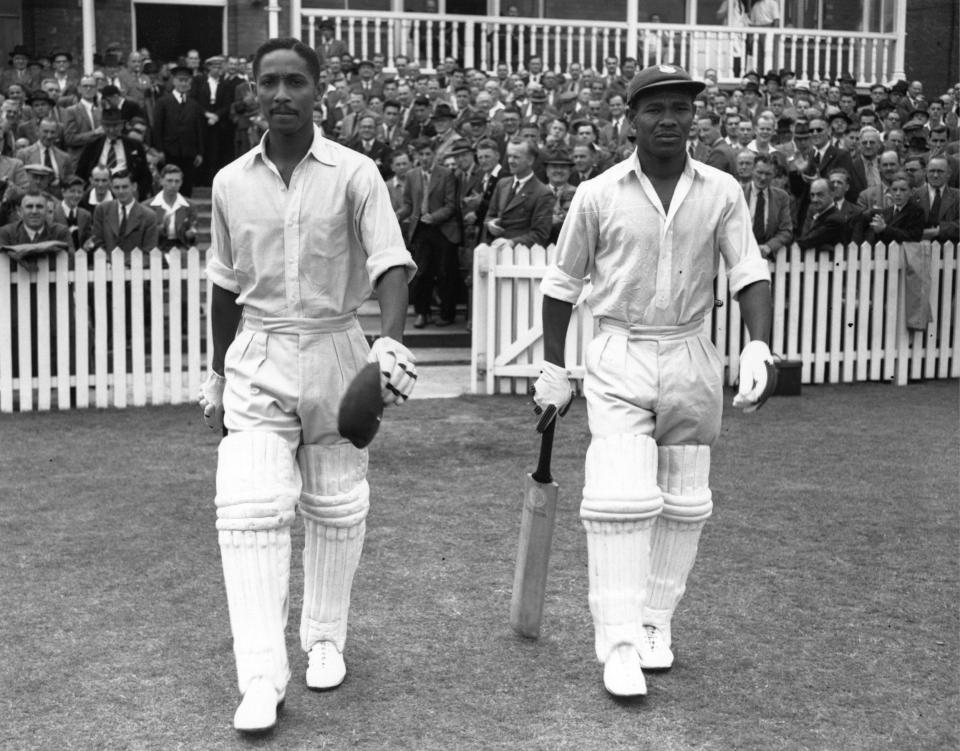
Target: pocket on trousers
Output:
[{"x": 595, "y": 350}]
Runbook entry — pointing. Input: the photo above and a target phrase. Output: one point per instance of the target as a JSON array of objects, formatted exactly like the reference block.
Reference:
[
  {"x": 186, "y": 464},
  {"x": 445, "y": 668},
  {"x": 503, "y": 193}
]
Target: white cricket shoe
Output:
[
  {"x": 622, "y": 674},
  {"x": 655, "y": 653},
  {"x": 258, "y": 710},
  {"x": 326, "y": 668}
]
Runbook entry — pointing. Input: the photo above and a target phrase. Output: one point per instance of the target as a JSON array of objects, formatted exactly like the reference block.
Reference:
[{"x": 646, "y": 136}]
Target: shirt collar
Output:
[
  {"x": 180, "y": 201},
  {"x": 522, "y": 180},
  {"x": 322, "y": 149}
]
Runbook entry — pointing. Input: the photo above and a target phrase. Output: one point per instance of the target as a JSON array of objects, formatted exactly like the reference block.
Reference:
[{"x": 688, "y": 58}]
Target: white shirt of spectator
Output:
[
  {"x": 170, "y": 212},
  {"x": 213, "y": 83}
]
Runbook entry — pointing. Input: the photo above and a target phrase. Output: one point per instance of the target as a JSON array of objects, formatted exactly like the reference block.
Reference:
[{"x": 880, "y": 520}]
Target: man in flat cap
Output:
[{"x": 649, "y": 233}]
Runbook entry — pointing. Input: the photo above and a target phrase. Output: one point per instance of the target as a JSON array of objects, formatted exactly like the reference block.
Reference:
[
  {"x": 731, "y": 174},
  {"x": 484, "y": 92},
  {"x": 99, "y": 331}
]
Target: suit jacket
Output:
[
  {"x": 333, "y": 48},
  {"x": 778, "y": 228},
  {"x": 833, "y": 158},
  {"x": 136, "y": 155},
  {"x": 822, "y": 232},
  {"x": 949, "y": 219},
  {"x": 184, "y": 218},
  {"x": 607, "y": 140},
  {"x": 140, "y": 232},
  {"x": 84, "y": 224},
  {"x": 78, "y": 130},
  {"x": 221, "y": 101},
  {"x": 33, "y": 154},
  {"x": 858, "y": 176},
  {"x": 441, "y": 202},
  {"x": 721, "y": 156},
  {"x": 178, "y": 128},
  {"x": 903, "y": 226},
  {"x": 16, "y": 234},
  {"x": 561, "y": 205},
  {"x": 852, "y": 215},
  {"x": 379, "y": 152},
  {"x": 873, "y": 197},
  {"x": 135, "y": 86},
  {"x": 528, "y": 217}
]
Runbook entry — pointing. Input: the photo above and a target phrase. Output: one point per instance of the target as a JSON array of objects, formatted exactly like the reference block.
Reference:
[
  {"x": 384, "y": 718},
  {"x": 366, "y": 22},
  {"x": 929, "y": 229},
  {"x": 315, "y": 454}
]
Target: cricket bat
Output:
[{"x": 536, "y": 534}]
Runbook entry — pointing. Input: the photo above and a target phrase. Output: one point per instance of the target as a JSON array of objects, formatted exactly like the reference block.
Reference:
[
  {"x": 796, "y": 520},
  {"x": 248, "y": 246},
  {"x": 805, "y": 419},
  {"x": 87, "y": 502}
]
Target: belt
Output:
[
  {"x": 636, "y": 332},
  {"x": 289, "y": 325}
]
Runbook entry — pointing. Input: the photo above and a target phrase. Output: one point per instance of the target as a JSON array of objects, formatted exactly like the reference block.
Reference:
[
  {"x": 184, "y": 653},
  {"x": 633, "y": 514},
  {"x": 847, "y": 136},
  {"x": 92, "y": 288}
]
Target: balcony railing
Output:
[{"x": 483, "y": 42}]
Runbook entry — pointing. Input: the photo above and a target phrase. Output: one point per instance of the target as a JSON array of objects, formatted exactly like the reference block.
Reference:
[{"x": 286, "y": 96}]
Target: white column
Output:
[
  {"x": 296, "y": 27},
  {"x": 900, "y": 31},
  {"x": 633, "y": 10},
  {"x": 273, "y": 19},
  {"x": 89, "y": 35}
]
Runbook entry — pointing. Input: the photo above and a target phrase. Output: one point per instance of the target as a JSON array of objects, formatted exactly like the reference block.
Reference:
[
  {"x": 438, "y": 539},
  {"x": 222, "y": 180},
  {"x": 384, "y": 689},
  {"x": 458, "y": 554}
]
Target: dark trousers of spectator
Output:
[
  {"x": 437, "y": 264},
  {"x": 185, "y": 163}
]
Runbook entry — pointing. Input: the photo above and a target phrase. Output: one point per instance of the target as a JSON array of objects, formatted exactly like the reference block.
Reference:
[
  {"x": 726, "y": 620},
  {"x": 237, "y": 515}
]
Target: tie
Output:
[
  {"x": 112, "y": 157},
  {"x": 758, "y": 223},
  {"x": 47, "y": 161},
  {"x": 816, "y": 160},
  {"x": 512, "y": 192},
  {"x": 123, "y": 221},
  {"x": 616, "y": 131},
  {"x": 72, "y": 218},
  {"x": 934, "y": 219},
  {"x": 424, "y": 202}
]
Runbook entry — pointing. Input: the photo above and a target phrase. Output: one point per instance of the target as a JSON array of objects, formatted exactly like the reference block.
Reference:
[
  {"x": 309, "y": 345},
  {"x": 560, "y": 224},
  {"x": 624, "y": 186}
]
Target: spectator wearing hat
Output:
[
  {"x": 82, "y": 121},
  {"x": 176, "y": 216},
  {"x": 521, "y": 209},
  {"x": 328, "y": 45},
  {"x": 366, "y": 80},
  {"x": 430, "y": 207},
  {"x": 214, "y": 99},
  {"x": 39, "y": 106},
  {"x": 44, "y": 151},
  {"x": 420, "y": 125},
  {"x": 116, "y": 152},
  {"x": 559, "y": 168},
  {"x": 113, "y": 98},
  {"x": 39, "y": 178},
  {"x": 70, "y": 213},
  {"x": 19, "y": 71},
  {"x": 446, "y": 135},
  {"x": 366, "y": 142},
  {"x": 839, "y": 121},
  {"x": 178, "y": 129}
]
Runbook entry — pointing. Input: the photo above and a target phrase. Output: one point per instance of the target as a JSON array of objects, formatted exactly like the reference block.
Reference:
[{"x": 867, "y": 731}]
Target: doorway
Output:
[{"x": 168, "y": 31}]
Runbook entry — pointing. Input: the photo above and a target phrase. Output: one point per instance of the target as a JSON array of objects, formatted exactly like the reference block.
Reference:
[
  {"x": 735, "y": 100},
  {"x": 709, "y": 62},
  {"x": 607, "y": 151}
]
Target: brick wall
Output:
[
  {"x": 248, "y": 23},
  {"x": 933, "y": 28}
]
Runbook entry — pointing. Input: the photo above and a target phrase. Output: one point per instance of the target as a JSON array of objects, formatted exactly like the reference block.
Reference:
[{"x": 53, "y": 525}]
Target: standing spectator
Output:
[
  {"x": 134, "y": 83},
  {"x": 430, "y": 206},
  {"x": 176, "y": 216},
  {"x": 19, "y": 71},
  {"x": 179, "y": 128},
  {"x": 614, "y": 134},
  {"x": 45, "y": 152},
  {"x": 99, "y": 189},
  {"x": 940, "y": 203},
  {"x": 82, "y": 121},
  {"x": 745, "y": 162},
  {"x": 865, "y": 164},
  {"x": 559, "y": 166},
  {"x": 69, "y": 212},
  {"x": 719, "y": 154},
  {"x": 328, "y": 47},
  {"x": 367, "y": 143},
  {"x": 400, "y": 165},
  {"x": 117, "y": 152},
  {"x": 214, "y": 99},
  {"x": 123, "y": 222},
  {"x": 65, "y": 74},
  {"x": 521, "y": 209},
  {"x": 769, "y": 209}
]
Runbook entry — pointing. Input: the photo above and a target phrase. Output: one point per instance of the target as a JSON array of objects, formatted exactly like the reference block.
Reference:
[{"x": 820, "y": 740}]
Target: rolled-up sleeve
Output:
[
  {"x": 738, "y": 246},
  {"x": 377, "y": 226},
  {"x": 220, "y": 269},
  {"x": 576, "y": 248}
]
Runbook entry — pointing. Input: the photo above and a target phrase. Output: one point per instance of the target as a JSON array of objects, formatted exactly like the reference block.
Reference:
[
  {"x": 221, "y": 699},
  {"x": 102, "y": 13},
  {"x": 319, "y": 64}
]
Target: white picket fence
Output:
[
  {"x": 839, "y": 313},
  {"x": 70, "y": 320}
]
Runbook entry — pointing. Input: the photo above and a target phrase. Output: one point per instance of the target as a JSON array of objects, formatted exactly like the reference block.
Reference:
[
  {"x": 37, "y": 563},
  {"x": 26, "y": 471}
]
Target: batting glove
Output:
[
  {"x": 758, "y": 376},
  {"x": 552, "y": 388},
  {"x": 211, "y": 400},
  {"x": 398, "y": 375}
]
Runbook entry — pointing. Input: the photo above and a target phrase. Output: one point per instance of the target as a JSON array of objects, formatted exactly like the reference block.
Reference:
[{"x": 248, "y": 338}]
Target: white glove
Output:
[
  {"x": 211, "y": 400},
  {"x": 552, "y": 387},
  {"x": 758, "y": 376},
  {"x": 398, "y": 375}
]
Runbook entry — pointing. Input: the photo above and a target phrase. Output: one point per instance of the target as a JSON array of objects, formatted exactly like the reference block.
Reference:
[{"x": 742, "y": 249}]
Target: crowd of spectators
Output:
[{"x": 470, "y": 156}]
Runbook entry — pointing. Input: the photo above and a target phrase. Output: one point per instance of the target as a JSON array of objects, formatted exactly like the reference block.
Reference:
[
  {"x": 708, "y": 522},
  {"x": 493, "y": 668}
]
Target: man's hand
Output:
[
  {"x": 494, "y": 228},
  {"x": 398, "y": 375},
  {"x": 552, "y": 388},
  {"x": 758, "y": 376},
  {"x": 765, "y": 251},
  {"x": 211, "y": 400},
  {"x": 426, "y": 219}
]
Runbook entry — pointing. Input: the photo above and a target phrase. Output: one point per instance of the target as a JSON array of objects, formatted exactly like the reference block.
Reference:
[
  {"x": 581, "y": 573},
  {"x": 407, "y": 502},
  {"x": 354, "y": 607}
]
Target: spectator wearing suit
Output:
[
  {"x": 900, "y": 222},
  {"x": 442, "y": 121},
  {"x": 178, "y": 128},
  {"x": 176, "y": 216},
  {"x": 113, "y": 98},
  {"x": 45, "y": 152},
  {"x": 521, "y": 209},
  {"x": 940, "y": 203},
  {"x": 366, "y": 80},
  {"x": 823, "y": 228},
  {"x": 328, "y": 47},
  {"x": 769, "y": 208},
  {"x": 366, "y": 143},
  {"x": 69, "y": 212},
  {"x": 879, "y": 196},
  {"x": 559, "y": 167},
  {"x": 214, "y": 98},
  {"x": 123, "y": 222},
  {"x": 430, "y": 205},
  {"x": 33, "y": 225},
  {"x": 719, "y": 152},
  {"x": 850, "y": 212},
  {"x": 584, "y": 156},
  {"x": 81, "y": 121},
  {"x": 400, "y": 165},
  {"x": 613, "y": 135},
  {"x": 117, "y": 152}
]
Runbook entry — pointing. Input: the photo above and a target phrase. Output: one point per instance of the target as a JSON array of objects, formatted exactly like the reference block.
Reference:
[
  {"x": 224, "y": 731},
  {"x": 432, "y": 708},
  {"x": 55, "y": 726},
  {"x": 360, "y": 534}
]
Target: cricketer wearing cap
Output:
[
  {"x": 302, "y": 229},
  {"x": 649, "y": 232}
]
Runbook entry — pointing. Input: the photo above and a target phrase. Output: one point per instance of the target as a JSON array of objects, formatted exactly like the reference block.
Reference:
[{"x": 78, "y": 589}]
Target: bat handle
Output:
[{"x": 542, "y": 473}]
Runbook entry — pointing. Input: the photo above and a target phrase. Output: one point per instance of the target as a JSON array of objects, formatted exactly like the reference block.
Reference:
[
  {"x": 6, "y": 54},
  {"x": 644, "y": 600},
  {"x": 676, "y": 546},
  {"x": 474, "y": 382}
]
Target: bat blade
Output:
[{"x": 533, "y": 557}]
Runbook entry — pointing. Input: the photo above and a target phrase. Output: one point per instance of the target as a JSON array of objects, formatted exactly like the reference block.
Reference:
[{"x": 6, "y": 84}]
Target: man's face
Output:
[
  {"x": 215, "y": 69},
  {"x": 764, "y": 131},
  {"x": 889, "y": 164},
  {"x": 937, "y": 141},
  {"x": 833, "y": 95},
  {"x": 582, "y": 157},
  {"x": 72, "y": 195},
  {"x": 732, "y": 124},
  {"x": 426, "y": 155},
  {"x": 122, "y": 189},
  {"x": 877, "y": 95},
  {"x": 531, "y": 134},
  {"x": 558, "y": 174},
  {"x": 869, "y": 144},
  {"x": 745, "y": 165},
  {"x": 355, "y": 102},
  {"x": 776, "y": 107},
  {"x": 510, "y": 122},
  {"x": 596, "y": 108},
  {"x": 171, "y": 183},
  {"x": 616, "y": 106},
  {"x": 585, "y": 134},
  {"x": 48, "y": 133},
  {"x": 484, "y": 103},
  {"x": 33, "y": 211},
  {"x": 193, "y": 59},
  {"x": 433, "y": 88},
  {"x": 391, "y": 115},
  {"x": 487, "y": 159},
  {"x": 937, "y": 173},
  {"x": 914, "y": 171},
  {"x": 838, "y": 186},
  {"x": 61, "y": 64},
  {"x": 20, "y": 62},
  {"x": 536, "y": 65},
  {"x": 465, "y": 161},
  {"x": 661, "y": 121},
  {"x": 820, "y": 196},
  {"x": 519, "y": 159},
  {"x": 838, "y": 126},
  {"x": 442, "y": 125},
  {"x": 895, "y": 140},
  {"x": 818, "y": 133},
  {"x": 15, "y": 92},
  {"x": 113, "y": 129},
  {"x": 334, "y": 66},
  {"x": 575, "y": 70},
  {"x": 847, "y": 103},
  {"x": 51, "y": 89},
  {"x": 900, "y": 191},
  {"x": 41, "y": 108},
  {"x": 400, "y": 165},
  {"x": 629, "y": 69},
  {"x": 762, "y": 174},
  {"x": 610, "y": 64},
  {"x": 891, "y": 121},
  {"x": 134, "y": 62},
  {"x": 88, "y": 88},
  {"x": 745, "y": 132},
  {"x": 557, "y": 130},
  {"x": 367, "y": 128},
  {"x": 915, "y": 89},
  {"x": 181, "y": 83},
  {"x": 100, "y": 180},
  {"x": 502, "y": 71},
  {"x": 462, "y": 98},
  {"x": 285, "y": 92},
  {"x": 708, "y": 131},
  {"x": 404, "y": 95}
]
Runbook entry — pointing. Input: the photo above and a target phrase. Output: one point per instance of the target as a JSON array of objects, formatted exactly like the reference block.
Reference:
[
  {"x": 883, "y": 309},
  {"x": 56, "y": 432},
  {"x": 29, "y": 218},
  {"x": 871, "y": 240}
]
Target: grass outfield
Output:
[{"x": 822, "y": 613}]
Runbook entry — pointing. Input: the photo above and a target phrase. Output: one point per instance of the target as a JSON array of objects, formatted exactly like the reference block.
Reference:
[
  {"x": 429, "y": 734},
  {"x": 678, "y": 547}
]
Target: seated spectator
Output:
[
  {"x": 559, "y": 167},
  {"x": 176, "y": 216},
  {"x": 33, "y": 226},
  {"x": 99, "y": 189},
  {"x": 901, "y": 222},
  {"x": 940, "y": 203},
  {"x": 769, "y": 207},
  {"x": 367, "y": 143},
  {"x": 69, "y": 212},
  {"x": 822, "y": 228},
  {"x": 850, "y": 212},
  {"x": 521, "y": 209},
  {"x": 40, "y": 178},
  {"x": 45, "y": 152},
  {"x": 123, "y": 223}
]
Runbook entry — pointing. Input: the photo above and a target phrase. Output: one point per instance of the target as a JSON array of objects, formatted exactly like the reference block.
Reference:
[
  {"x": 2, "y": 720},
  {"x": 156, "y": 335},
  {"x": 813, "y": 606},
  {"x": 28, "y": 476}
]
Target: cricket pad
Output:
[{"x": 361, "y": 407}]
